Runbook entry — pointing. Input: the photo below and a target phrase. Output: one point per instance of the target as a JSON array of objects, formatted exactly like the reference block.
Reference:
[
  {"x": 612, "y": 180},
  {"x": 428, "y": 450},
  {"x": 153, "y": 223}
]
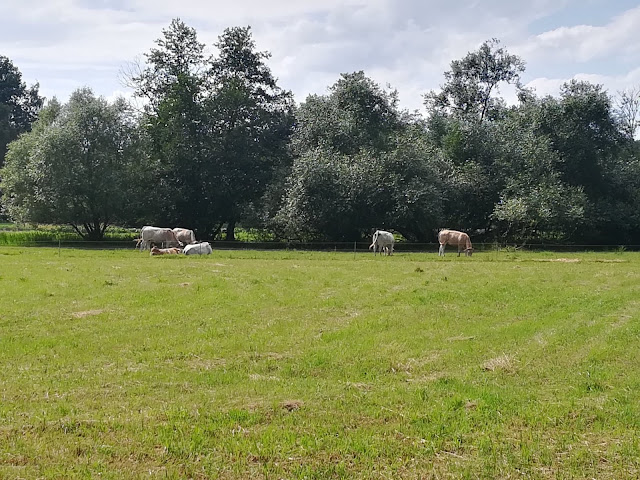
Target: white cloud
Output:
[
  {"x": 583, "y": 43},
  {"x": 65, "y": 44}
]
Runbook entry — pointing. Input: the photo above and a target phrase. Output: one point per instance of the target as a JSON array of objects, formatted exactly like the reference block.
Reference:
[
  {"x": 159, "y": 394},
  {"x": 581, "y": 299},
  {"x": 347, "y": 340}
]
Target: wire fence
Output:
[{"x": 328, "y": 246}]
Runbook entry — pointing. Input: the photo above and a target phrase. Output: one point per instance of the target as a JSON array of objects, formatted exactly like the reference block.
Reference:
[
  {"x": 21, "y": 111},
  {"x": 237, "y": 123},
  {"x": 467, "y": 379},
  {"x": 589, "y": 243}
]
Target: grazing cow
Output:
[
  {"x": 157, "y": 235},
  {"x": 165, "y": 251},
  {"x": 202, "y": 248},
  {"x": 185, "y": 236},
  {"x": 382, "y": 242},
  {"x": 453, "y": 237}
]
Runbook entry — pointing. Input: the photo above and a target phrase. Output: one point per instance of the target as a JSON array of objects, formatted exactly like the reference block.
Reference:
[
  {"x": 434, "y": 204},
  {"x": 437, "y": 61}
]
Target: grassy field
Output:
[{"x": 115, "y": 364}]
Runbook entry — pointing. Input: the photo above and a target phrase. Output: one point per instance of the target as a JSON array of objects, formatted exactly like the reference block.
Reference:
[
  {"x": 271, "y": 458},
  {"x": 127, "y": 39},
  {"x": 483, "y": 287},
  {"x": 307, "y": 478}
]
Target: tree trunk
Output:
[{"x": 231, "y": 234}]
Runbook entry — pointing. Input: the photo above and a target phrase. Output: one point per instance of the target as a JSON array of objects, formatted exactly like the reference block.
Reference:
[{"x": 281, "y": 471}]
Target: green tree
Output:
[
  {"x": 592, "y": 150},
  {"x": 75, "y": 167},
  {"x": 471, "y": 83},
  {"x": 535, "y": 204},
  {"x": 251, "y": 119},
  {"x": 466, "y": 151},
  {"x": 356, "y": 114},
  {"x": 218, "y": 127},
  {"x": 174, "y": 85},
  {"x": 19, "y": 105}
]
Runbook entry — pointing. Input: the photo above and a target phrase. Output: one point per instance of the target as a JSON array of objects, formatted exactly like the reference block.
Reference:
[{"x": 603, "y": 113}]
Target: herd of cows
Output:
[
  {"x": 181, "y": 240},
  {"x": 171, "y": 241}
]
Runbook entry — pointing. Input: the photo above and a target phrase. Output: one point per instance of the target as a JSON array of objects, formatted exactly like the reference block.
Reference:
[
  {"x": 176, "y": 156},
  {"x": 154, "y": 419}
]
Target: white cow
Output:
[
  {"x": 158, "y": 236},
  {"x": 202, "y": 248},
  {"x": 453, "y": 237},
  {"x": 185, "y": 236},
  {"x": 382, "y": 242}
]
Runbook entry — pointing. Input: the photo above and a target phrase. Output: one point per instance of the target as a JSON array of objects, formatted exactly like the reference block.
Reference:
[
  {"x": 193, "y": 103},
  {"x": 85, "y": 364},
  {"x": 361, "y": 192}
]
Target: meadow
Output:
[{"x": 316, "y": 365}]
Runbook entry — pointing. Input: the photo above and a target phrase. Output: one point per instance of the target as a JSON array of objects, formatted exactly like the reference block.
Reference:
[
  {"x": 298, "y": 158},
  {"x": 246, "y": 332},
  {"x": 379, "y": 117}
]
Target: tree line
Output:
[{"x": 218, "y": 143}]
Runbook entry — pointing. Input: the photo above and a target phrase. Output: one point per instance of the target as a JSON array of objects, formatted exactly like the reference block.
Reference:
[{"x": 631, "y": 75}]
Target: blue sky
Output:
[{"x": 407, "y": 44}]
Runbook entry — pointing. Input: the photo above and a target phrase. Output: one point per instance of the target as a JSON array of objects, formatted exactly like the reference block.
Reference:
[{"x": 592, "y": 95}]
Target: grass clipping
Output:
[{"x": 503, "y": 363}]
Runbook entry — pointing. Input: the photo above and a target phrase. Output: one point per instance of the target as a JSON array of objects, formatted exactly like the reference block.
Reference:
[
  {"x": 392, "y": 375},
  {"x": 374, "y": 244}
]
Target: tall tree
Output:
[
  {"x": 174, "y": 83},
  {"x": 19, "y": 105},
  {"x": 251, "y": 118},
  {"x": 472, "y": 82},
  {"x": 75, "y": 167}
]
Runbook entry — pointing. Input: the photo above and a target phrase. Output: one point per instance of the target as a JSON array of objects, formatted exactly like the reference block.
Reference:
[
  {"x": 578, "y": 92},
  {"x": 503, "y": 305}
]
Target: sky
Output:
[{"x": 405, "y": 45}]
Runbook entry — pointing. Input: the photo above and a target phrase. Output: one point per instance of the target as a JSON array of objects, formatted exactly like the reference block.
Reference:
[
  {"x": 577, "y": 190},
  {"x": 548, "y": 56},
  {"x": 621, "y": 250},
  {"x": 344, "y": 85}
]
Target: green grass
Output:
[{"x": 245, "y": 364}]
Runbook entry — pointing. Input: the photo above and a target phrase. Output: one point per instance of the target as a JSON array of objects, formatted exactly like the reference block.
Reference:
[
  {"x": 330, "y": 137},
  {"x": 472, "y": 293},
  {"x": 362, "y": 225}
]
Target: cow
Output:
[
  {"x": 203, "y": 248},
  {"x": 382, "y": 242},
  {"x": 157, "y": 235},
  {"x": 165, "y": 251},
  {"x": 184, "y": 235},
  {"x": 453, "y": 237}
]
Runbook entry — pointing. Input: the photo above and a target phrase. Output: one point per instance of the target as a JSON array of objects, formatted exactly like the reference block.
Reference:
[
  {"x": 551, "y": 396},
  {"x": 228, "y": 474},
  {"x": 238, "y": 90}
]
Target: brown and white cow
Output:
[{"x": 453, "y": 237}]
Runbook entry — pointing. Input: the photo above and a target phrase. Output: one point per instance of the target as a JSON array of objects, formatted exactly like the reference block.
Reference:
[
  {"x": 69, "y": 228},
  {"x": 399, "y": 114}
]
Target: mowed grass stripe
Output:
[{"x": 318, "y": 365}]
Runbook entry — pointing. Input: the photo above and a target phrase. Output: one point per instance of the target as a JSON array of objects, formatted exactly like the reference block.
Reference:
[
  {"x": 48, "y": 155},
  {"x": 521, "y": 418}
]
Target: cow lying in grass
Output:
[
  {"x": 202, "y": 248},
  {"x": 165, "y": 251},
  {"x": 453, "y": 237}
]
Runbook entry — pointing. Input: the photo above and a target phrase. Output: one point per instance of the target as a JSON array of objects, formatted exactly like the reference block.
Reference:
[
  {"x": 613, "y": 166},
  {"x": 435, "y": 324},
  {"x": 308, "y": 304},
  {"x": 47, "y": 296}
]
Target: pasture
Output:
[{"x": 246, "y": 364}]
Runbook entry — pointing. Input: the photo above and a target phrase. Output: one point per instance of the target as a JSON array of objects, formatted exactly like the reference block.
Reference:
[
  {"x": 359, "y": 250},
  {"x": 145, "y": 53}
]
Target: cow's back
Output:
[
  {"x": 185, "y": 235},
  {"x": 452, "y": 237}
]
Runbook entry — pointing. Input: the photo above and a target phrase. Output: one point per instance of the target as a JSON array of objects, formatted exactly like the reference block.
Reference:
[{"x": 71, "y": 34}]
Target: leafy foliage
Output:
[
  {"x": 19, "y": 105},
  {"x": 75, "y": 167},
  {"x": 361, "y": 164},
  {"x": 472, "y": 82}
]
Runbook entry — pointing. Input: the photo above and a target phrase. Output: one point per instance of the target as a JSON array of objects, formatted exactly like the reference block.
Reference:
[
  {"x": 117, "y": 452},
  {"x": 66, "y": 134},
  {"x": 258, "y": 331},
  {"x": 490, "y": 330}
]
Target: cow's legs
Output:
[{"x": 441, "y": 250}]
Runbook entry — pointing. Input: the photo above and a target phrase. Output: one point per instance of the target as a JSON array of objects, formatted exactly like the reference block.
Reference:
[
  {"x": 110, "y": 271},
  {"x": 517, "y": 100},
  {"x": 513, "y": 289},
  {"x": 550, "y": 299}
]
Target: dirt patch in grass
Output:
[
  {"x": 195, "y": 362},
  {"x": 292, "y": 405}
]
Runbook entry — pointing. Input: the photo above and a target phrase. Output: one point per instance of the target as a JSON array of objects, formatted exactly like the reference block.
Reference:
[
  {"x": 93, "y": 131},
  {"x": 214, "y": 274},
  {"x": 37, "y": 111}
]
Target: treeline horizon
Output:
[{"x": 219, "y": 144}]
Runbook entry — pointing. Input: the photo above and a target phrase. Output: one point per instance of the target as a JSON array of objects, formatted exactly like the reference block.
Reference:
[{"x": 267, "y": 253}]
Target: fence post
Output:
[
  {"x": 58, "y": 247},
  {"x": 354, "y": 250}
]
